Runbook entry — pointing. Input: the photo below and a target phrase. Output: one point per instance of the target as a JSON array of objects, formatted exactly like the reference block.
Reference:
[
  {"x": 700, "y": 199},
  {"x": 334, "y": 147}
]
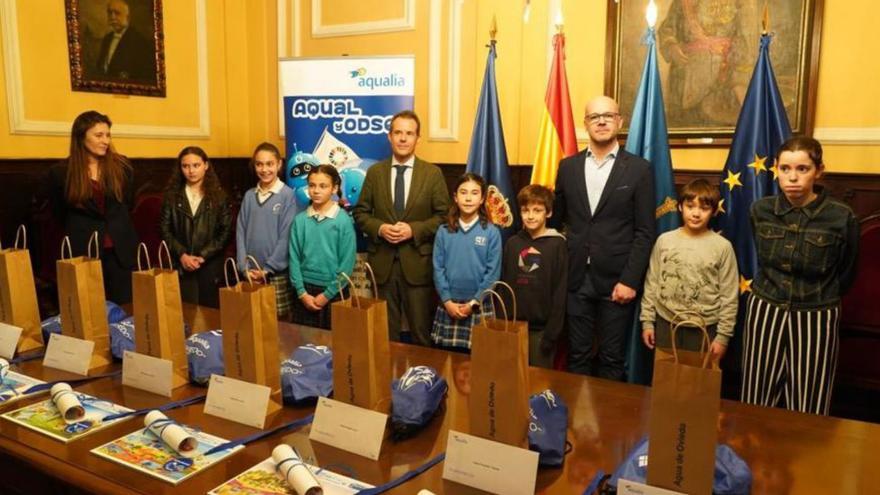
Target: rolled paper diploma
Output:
[
  {"x": 174, "y": 435},
  {"x": 425, "y": 492},
  {"x": 68, "y": 404},
  {"x": 295, "y": 472},
  {"x": 4, "y": 368}
]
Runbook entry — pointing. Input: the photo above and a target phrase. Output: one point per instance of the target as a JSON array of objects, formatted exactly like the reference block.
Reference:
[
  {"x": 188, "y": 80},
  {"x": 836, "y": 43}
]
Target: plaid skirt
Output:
[
  {"x": 318, "y": 319},
  {"x": 283, "y": 294},
  {"x": 449, "y": 332}
]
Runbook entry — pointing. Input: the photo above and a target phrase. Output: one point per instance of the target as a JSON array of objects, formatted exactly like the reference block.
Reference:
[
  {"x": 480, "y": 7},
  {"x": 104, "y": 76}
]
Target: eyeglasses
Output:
[{"x": 607, "y": 116}]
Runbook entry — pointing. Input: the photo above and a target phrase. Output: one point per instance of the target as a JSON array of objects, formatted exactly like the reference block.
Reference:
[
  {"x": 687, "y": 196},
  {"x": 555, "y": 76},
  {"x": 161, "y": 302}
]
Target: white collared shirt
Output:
[
  {"x": 263, "y": 195},
  {"x": 467, "y": 226},
  {"x": 596, "y": 175},
  {"x": 331, "y": 212},
  {"x": 407, "y": 176},
  {"x": 114, "y": 42},
  {"x": 194, "y": 197}
]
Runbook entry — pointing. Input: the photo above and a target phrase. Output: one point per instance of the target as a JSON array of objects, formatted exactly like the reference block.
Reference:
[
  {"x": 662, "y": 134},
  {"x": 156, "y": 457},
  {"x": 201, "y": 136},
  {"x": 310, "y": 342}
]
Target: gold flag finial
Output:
[
  {"x": 765, "y": 20},
  {"x": 493, "y": 28}
]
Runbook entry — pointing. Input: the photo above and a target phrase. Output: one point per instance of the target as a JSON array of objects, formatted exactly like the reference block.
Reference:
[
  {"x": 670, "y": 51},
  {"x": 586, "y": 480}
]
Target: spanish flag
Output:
[{"x": 556, "y": 138}]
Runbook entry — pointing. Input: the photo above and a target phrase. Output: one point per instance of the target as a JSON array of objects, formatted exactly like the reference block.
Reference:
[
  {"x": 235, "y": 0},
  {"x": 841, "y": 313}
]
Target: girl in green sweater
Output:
[{"x": 322, "y": 247}]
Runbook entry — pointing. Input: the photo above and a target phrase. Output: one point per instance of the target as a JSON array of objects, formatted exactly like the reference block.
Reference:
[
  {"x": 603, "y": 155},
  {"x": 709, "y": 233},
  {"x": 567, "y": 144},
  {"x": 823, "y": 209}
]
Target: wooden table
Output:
[{"x": 788, "y": 452}]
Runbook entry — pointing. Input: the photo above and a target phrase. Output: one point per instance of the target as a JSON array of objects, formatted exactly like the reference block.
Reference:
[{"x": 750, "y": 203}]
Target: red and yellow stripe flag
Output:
[{"x": 556, "y": 137}]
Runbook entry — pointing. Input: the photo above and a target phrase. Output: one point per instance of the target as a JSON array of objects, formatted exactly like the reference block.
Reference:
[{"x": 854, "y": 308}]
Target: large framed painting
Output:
[
  {"x": 707, "y": 50},
  {"x": 116, "y": 46}
]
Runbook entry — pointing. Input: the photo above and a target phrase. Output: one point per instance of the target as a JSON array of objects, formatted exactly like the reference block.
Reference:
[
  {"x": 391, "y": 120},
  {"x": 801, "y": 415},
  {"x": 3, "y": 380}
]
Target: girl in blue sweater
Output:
[
  {"x": 322, "y": 246},
  {"x": 467, "y": 261},
  {"x": 263, "y": 227}
]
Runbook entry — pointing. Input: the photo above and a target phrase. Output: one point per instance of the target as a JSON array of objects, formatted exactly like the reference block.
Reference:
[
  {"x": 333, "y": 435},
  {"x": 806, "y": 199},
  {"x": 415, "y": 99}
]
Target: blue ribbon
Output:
[
  {"x": 262, "y": 434},
  {"x": 45, "y": 386},
  {"x": 27, "y": 357},
  {"x": 406, "y": 477},
  {"x": 296, "y": 460},
  {"x": 594, "y": 485},
  {"x": 165, "y": 407}
]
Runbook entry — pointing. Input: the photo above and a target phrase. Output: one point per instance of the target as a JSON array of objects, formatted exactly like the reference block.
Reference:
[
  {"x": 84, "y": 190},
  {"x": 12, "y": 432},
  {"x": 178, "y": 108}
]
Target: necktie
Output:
[{"x": 399, "y": 191}]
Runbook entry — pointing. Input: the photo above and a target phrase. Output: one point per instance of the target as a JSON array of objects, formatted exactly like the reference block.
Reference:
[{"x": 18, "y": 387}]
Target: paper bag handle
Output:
[
  {"x": 164, "y": 246},
  {"x": 691, "y": 320},
  {"x": 234, "y": 270},
  {"x": 369, "y": 268},
  {"x": 93, "y": 239},
  {"x": 248, "y": 260},
  {"x": 142, "y": 249},
  {"x": 490, "y": 293},
  {"x": 355, "y": 300},
  {"x": 22, "y": 231},
  {"x": 66, "y": 242},
  {"x": 512, "y": 294}
]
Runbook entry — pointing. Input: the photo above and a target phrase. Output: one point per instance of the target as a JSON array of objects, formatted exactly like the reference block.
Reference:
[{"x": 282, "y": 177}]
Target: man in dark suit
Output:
[
  {"x": 125, "y": 53},
  {"x": 605, "y": 198},
  {"x": 403, "y": 202}
]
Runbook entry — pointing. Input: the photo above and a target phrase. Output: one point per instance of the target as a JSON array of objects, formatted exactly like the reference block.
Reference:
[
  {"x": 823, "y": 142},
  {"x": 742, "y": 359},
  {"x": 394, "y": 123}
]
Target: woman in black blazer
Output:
[{"x": 92, "y": 191}]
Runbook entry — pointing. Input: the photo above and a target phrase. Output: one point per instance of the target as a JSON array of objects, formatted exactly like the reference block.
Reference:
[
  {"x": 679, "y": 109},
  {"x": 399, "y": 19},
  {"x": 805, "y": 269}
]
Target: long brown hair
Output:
[
  {"x": 454, "y": 213},
  {"x": 212, "y": 192},
  {"x": 112, "y": 167}
]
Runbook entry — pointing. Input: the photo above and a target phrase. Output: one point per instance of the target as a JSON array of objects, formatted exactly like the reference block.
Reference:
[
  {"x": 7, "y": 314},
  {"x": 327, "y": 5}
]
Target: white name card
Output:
[
  {"x": 9, "y": 335},
  {"x": 491, "y": 466},
  {"x": 626, "y": 487},
  {"x": 236, "y": 400},
  {"x": 69, "y": 354},
  {"x": 347, "y": 427},
  {"x": 147, "y": 373}
]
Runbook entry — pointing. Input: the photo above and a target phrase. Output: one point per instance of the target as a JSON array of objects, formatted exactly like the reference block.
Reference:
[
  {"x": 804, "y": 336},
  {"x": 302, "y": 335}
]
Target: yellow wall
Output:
[{"x": 242, "y": 73}]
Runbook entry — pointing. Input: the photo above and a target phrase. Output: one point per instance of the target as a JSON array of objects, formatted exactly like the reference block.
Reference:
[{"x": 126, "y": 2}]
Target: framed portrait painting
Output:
[
  {"x": 116, "y": 46},
  {"x": 707, "y": 50}
]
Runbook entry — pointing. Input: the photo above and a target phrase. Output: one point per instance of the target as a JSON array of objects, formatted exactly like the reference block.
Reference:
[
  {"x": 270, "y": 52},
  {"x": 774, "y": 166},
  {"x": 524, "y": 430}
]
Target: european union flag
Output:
[
  {"x": 750, "y": 173},
  {"x": 648, "y": 138},
  {"x": 488, "y": 154}
]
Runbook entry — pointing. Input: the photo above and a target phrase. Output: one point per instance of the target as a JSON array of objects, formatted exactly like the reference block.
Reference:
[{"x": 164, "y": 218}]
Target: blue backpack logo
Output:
[
  {"x": 415, "y": 398},
  {"x": 204, "y": 354},
  {"x": 307, "y": 374},
  {"x": 548, "y": 423}
]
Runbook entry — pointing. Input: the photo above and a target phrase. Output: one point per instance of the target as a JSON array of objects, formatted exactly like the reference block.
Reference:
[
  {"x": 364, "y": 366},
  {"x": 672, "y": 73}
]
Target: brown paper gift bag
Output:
[
  {"x": 158, "y": 313},
  {"x": 81, "y": 299},
  {"x": 361, "y": 351},
  {"x": 250, "y": 332},
  {"x": 685, "y": 402},
  {"x": 18, "y": 293},
  {"x": 499, "y": 400}
]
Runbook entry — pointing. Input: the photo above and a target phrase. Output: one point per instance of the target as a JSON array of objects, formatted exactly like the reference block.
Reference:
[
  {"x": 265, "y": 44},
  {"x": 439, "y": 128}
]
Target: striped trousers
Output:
[{"x": 789, "y": 356}]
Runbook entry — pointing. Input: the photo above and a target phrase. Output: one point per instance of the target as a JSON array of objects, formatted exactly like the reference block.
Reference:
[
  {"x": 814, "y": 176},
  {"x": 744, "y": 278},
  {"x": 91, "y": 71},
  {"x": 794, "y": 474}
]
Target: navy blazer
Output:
[{"x": 617, "y": 238}]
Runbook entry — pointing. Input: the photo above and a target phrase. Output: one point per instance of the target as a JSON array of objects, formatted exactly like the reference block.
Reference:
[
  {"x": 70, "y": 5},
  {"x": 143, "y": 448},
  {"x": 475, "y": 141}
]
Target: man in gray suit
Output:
[{"x": 403, "y": 202}]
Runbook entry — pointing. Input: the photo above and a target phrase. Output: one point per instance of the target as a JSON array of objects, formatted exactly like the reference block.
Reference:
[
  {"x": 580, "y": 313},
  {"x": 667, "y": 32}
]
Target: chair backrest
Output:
[
  {"x": 145, "y": 216},
  {"x": 860, "y": 308}
]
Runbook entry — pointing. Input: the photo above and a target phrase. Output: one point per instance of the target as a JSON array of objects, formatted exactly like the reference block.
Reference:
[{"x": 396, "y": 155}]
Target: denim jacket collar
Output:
[{"x": 783, "y": 206}]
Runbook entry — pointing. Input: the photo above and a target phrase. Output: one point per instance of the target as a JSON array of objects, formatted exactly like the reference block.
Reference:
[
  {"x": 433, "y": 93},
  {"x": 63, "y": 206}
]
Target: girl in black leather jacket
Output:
[{"x": 196, "y": 224}]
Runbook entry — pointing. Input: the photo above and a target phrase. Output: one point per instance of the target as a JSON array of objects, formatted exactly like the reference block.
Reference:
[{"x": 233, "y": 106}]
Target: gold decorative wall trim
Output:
[
  {"x": 405, "y": 23},
  {"x": 452, "y": 81},
  {"x": 848, "y": 135},
  {"x": 20, "y": 124}
]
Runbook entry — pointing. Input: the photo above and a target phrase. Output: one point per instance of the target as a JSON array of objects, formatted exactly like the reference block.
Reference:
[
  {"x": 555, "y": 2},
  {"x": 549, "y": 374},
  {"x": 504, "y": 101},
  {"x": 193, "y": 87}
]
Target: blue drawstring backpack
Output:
[
  {"x": 307, "y": 375},
  {"x": 51, "y": 325},
  {"x": 204, "y": 353},
  {"x": 122, "y": 337},
  {"x": 415, "y": 398},
  {"x": 732, "y": 474},
  {"x": 548, "y": 423}
]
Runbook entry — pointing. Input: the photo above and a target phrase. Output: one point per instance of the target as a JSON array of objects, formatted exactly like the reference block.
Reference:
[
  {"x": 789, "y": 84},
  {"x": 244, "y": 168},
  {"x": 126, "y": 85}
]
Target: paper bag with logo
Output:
[
  {"x": 18, "y": 293},
  {"x": 361, "y": 351},
  {"x": 499, "y": 400},
  {"x": 250, "y": 332},
  {"x": 158, "y": 312},
  {"x": 685, "y": 402},
  {"x": 81, "y": 299}
]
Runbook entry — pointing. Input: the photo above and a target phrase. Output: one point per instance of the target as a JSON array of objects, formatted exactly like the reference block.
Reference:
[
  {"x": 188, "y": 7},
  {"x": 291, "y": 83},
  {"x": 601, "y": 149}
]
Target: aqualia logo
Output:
[{"x": 377, "y": 81}]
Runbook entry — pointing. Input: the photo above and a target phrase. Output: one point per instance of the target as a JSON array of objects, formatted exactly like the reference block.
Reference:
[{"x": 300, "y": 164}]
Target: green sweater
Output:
[{"x": 321, "y": 247}]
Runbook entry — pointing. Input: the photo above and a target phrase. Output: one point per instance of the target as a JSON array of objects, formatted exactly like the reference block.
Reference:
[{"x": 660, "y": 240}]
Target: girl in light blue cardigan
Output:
[{"x": 467, "y": 261}]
